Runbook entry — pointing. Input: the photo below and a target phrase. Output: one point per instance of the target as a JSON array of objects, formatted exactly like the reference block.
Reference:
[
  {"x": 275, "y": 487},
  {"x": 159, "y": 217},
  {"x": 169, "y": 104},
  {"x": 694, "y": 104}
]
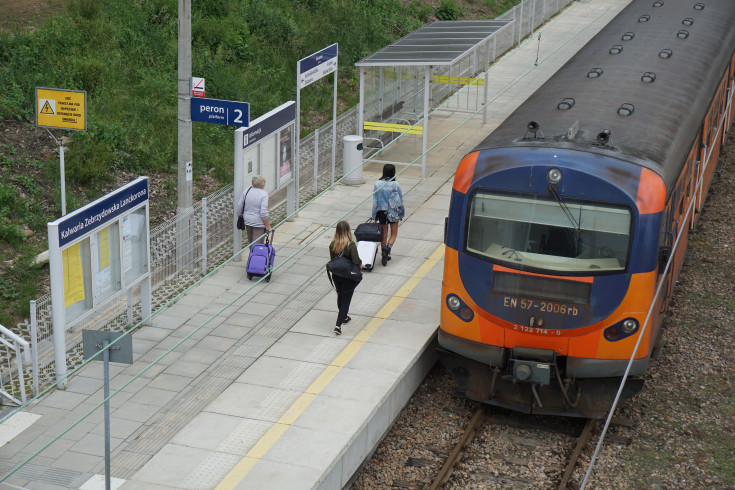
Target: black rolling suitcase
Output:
[{"x": 370, "y": 231}]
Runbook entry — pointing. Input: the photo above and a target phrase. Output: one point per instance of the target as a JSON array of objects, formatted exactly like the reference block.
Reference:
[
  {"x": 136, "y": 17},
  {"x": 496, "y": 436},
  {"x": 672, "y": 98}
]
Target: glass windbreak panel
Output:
[
  {"x": 134, "y": 245},
  {"x": 106, "y": 264},
  {"x": 536, "y": 232}
]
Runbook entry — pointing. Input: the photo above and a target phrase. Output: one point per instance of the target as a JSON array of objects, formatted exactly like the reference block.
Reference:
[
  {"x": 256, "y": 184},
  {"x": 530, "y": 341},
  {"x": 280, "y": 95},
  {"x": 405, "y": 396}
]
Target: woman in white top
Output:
[{"x": 253, "y": 207}]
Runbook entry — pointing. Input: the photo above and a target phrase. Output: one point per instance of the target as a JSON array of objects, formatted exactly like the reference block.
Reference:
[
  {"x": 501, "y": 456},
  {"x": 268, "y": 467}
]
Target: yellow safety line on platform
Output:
[
  {"x": 393, "y": 128},
  {"x": 240, "y": 471},
  {"x": 459, "y": 80}
]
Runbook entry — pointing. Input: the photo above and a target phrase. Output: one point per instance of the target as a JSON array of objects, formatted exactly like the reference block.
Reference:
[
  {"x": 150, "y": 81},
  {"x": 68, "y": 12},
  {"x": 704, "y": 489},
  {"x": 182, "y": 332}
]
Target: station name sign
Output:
[
  {"x": 318, "y": 65},
  {"x": 101, "y": 211}
]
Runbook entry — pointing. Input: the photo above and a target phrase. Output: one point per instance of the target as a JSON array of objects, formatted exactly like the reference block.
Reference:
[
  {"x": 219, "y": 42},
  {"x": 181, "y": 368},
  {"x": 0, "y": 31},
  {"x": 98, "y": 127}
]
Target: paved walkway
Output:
[{"x": 244, "y": 385}]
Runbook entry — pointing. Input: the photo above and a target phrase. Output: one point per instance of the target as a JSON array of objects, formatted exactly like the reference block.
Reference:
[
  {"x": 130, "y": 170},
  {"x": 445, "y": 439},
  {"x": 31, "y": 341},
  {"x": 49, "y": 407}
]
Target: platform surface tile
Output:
[{"x": 245, "y": 385}]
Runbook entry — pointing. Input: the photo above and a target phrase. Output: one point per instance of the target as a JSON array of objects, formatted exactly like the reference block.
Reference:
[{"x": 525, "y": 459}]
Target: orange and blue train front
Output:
[{"x": 551, "y": 265}]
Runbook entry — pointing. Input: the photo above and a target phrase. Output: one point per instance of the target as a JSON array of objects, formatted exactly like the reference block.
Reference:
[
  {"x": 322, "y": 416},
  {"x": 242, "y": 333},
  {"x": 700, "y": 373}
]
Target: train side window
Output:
[
  {"x": 688, "y": 173},
  {"x": 704, "y": 142},
  {"x": 675, "y": 201},
  {"x": 713, "y": 127}
]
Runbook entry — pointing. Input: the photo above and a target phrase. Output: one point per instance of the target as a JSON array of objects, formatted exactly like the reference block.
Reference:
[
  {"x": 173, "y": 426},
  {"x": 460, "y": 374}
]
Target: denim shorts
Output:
[{"x": 382, "y": 217}]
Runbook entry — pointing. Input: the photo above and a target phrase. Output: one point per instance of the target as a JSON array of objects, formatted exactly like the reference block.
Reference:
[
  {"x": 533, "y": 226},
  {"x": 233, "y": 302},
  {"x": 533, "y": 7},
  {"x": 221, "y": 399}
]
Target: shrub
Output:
[
  {"x": 448, "y": 10},
  {"x": 11, "y": 100},
  {"x": 88, "y": 160},
  {"x": 13, "y": 213}
]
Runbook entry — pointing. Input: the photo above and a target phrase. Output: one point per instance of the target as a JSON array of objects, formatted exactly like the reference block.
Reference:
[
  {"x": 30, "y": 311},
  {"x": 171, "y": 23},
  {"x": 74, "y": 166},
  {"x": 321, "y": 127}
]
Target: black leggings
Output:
[{"x": 345, "y": 288}]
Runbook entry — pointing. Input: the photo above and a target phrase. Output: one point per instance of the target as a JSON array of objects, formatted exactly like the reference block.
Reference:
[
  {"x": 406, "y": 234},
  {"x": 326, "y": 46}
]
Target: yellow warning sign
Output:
[
  {"x": 61, "y": 109},
  {"x": 48, "y": 107}
]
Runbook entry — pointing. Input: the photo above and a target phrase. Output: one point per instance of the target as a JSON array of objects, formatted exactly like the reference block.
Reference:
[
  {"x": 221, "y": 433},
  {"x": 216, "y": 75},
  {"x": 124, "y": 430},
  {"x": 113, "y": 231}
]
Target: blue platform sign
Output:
[
  {"x": 218, "y": 111},
  {"x": 318, "y": 65}
]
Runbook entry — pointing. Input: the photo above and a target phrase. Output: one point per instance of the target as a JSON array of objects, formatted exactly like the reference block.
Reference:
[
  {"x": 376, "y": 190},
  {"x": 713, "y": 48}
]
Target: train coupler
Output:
[{"x": 530, "y": 365}]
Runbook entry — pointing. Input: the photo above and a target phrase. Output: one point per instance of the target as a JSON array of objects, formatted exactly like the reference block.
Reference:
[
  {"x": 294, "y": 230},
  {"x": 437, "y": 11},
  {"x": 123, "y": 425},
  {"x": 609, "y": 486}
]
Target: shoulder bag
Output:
[
  {"x": 344, "y": 267},
  {"x": 240, "y": 219}
]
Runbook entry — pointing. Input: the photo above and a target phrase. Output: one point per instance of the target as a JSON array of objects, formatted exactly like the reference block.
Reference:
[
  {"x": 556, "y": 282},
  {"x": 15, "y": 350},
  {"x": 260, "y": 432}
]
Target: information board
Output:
[
  {"x": 266, "y": 148},
  {"x": 96, "y": 253}
]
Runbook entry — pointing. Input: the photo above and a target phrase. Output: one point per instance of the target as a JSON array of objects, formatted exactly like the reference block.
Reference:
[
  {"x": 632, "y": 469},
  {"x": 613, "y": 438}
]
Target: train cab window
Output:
[{"x": 535, "y": 232}]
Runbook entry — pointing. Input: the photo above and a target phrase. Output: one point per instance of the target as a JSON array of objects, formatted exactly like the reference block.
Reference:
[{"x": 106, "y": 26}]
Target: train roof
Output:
[{"x": 666, "y": 112}]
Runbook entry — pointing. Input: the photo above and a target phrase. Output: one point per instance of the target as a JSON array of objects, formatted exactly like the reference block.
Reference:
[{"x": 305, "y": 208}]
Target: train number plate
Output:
[{"x": 538, "y": 306}]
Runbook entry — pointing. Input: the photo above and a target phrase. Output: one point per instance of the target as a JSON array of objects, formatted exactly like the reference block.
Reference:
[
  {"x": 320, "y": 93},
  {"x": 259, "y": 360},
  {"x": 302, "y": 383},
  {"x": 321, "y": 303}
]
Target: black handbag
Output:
[
  {"x": 370, "y": 231},
  {"x": 343, "y": 267},
  {"x": 240, "y": 219}
]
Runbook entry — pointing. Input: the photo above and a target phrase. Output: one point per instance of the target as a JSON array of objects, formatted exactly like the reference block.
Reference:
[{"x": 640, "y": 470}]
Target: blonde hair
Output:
[
  {"x": 342, "y": 236},
  {"x": 258, "y": 181}
]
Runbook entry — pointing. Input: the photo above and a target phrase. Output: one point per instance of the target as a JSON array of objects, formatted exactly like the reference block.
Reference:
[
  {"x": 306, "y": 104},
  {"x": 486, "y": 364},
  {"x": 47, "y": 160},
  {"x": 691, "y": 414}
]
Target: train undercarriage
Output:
[{"x": 536, "y": 387}]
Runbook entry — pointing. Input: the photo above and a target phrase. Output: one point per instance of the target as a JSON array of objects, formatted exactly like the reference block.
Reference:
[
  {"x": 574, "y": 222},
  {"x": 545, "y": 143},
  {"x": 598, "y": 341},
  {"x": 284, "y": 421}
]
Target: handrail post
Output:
[
  {"x": 34, "y": 345},
  {"x": 316, "y": 162},
  {"x": 21, "y": 378},
  {"x": 204, "y": 236}
]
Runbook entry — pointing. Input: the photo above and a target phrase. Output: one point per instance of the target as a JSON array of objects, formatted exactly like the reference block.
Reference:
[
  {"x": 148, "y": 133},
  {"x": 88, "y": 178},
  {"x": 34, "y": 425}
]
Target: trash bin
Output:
[{"x": 352, "y": 160}]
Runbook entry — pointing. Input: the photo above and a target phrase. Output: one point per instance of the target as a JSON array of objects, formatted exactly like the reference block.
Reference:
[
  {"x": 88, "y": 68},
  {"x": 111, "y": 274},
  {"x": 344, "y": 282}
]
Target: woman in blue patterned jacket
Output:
[{"x": 388, "y": 208}]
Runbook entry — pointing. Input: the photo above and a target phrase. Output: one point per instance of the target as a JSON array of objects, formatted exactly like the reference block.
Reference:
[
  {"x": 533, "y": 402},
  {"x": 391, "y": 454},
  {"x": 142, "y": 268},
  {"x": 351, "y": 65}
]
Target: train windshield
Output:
[{"x": 538, "y": 232}]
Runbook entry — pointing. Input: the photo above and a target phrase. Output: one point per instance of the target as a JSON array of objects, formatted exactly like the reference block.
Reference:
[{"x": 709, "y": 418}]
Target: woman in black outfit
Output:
[{"x": 343, "y": 242}]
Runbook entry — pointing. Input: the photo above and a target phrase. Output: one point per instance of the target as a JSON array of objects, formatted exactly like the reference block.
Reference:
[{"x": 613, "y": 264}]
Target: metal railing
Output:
[
  {"x": 210, "y": 231},
  {"x": 21, "y": 349}
]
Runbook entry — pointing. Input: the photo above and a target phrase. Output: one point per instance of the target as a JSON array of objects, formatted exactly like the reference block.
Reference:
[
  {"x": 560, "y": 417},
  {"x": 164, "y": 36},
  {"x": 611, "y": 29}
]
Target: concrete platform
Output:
[{"x": 243, "y": 384}]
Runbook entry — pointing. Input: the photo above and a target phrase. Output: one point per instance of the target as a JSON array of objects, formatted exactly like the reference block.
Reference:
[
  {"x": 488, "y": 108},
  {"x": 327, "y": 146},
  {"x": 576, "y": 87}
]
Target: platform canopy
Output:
[
  {"x": 404, "y": 81},
  {"x": 437, "y": 44}
]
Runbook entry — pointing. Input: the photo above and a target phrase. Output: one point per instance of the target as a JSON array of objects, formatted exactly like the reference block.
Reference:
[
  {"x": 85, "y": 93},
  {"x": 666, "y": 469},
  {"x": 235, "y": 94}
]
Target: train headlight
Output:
[
  {"x": 621, "y": 330},
  {"x": 460, "y": 308},
  {"x": 453, "y": 302},
  {"x": 612, "y": 334},
  {"x": 629, "y": 326},
  {"x": 465, "y": 313},
  {"x": 553, "y": 176}
]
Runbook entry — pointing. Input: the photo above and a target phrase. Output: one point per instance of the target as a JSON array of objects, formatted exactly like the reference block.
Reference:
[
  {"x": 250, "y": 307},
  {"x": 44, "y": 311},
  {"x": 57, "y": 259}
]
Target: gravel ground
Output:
[{"x": 684, "y": 433}]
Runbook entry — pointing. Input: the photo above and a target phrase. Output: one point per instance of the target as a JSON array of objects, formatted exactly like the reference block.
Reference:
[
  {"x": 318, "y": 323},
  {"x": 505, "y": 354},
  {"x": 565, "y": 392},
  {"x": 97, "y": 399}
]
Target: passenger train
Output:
[{"x": 568, "y": 224}]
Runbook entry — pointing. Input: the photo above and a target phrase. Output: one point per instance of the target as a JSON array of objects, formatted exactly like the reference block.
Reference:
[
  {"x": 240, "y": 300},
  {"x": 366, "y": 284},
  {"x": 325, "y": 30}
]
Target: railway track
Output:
[
  {"x": 497, "y": 450},
  {"x": 444, "y": 442}
]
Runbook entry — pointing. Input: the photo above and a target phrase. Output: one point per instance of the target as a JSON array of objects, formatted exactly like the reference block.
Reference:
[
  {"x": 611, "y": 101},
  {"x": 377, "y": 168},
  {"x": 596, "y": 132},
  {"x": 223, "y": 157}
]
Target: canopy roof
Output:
[{"x": 439, "y": 43}]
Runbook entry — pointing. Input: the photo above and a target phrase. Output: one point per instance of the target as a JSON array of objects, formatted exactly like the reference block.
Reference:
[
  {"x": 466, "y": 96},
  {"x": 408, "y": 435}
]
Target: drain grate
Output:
[{"x": 43, "y": 474}]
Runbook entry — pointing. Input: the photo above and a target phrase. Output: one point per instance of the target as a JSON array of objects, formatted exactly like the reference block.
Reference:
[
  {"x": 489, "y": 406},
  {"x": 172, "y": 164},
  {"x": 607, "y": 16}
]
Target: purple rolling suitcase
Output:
[{"x": 260, "y": 260}]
